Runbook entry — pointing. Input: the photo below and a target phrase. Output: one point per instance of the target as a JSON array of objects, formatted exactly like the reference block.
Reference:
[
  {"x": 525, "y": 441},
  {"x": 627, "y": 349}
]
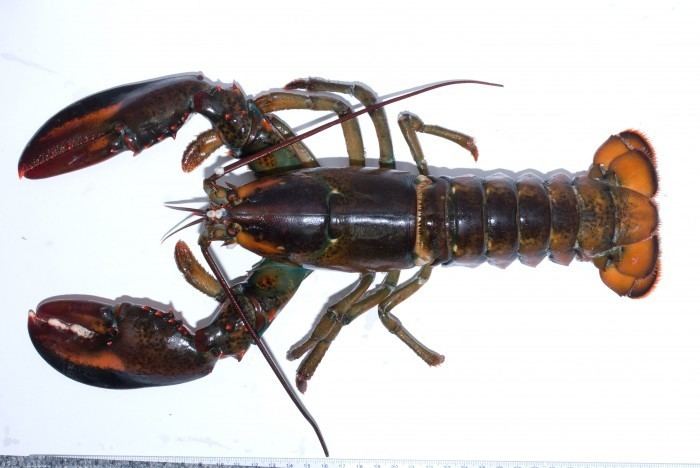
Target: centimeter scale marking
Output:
[{"x": 167, "y": 462}]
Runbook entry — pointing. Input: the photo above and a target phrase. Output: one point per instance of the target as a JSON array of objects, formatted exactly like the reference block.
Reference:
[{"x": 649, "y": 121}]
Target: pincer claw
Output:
[
  {"x": 116, "y": 346},
  {"x": 126, "y": 118}
]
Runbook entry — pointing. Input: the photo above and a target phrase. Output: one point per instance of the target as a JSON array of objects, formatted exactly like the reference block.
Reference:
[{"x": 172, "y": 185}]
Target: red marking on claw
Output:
[{"x": 116, "y": 346}]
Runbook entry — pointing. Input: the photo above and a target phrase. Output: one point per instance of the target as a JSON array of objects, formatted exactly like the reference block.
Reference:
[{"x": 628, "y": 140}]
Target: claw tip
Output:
[{"x": 301, "y": 384}]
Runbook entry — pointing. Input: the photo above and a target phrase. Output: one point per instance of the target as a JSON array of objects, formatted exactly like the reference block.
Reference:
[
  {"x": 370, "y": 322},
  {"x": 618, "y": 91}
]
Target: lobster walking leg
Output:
[
  {"x": 410, "y": 124},
  {"x": 325, "y": 332},
  {"x": 333, "y": 314},
  {"x": 330, "y": 324},
  {"x": 367, "y": 98},
  {"x": 272, "y": 101},
  {"x": 394, "y": 325}
]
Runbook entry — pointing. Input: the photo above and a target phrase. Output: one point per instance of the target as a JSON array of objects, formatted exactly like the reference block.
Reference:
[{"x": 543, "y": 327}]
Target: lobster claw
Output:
[
  {"x": 120, "y": 346},
  {"x": 130, "y": 117}
]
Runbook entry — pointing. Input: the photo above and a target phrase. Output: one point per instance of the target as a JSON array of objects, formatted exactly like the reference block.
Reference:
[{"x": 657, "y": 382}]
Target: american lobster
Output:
[{"x": 299, "y": 216}]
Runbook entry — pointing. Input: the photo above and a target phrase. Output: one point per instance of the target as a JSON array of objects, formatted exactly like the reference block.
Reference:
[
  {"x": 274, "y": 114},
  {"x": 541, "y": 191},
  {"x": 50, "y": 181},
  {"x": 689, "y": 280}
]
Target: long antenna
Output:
[{"x": 267, "y": 354}]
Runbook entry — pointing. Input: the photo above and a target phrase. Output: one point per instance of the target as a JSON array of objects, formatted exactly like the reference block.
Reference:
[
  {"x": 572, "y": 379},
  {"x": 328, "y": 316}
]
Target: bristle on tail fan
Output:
[
  {"x": 629, "y": 158},
  {"x": 626, "y": 162}
]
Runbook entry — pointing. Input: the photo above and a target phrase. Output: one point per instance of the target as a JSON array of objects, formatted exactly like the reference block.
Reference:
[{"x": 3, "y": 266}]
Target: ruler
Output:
[{"x": 168, "y": 462}]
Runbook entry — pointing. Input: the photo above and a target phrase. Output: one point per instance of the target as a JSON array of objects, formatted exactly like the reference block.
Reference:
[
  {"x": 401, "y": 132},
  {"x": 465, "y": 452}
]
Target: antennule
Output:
[
  {"x": 195, "y": 211},
  {"x": 169, "y": 234}
]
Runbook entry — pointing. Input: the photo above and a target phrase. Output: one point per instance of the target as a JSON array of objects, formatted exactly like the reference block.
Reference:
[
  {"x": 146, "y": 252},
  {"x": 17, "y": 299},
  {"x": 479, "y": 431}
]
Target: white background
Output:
[{"x": 542, "y": 363}]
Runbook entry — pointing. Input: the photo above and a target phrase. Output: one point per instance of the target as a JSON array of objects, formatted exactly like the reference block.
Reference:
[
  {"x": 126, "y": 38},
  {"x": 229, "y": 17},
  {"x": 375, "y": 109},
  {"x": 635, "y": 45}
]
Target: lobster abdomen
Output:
[
  {"x": 605, "y": 215},
  {"x": 499, "y": 218}
]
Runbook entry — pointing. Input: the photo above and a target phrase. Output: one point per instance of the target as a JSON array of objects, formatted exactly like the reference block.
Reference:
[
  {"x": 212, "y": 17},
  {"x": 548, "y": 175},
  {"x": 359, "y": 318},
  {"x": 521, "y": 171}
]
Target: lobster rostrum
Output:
[{"x": 299, "y": 216}]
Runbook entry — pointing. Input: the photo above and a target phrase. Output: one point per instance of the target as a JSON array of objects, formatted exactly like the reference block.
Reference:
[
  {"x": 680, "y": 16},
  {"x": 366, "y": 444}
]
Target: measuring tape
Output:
[{"x": 166, "y": 462}]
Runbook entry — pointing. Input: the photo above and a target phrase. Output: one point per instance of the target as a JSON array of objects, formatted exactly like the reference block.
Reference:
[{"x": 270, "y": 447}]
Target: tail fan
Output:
[{"x": 626, "y": 162}]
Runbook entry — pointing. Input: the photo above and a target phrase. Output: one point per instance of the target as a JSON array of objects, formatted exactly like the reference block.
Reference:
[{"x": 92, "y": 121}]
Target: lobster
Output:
[{"x": 299, "y": 216}]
